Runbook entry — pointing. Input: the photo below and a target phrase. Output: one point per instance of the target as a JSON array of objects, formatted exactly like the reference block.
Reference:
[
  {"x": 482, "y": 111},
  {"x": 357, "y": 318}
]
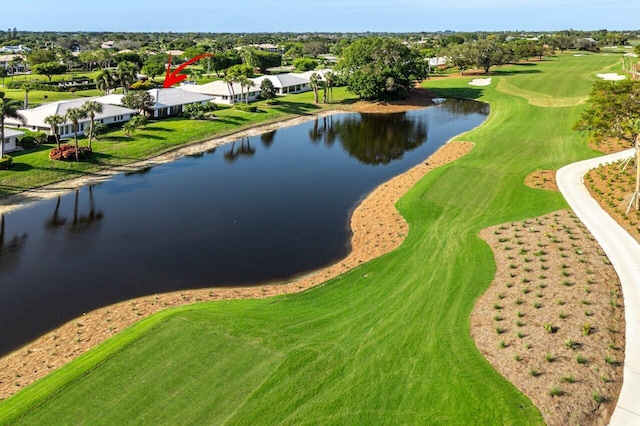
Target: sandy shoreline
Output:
[{"x": 377, "y": 229}]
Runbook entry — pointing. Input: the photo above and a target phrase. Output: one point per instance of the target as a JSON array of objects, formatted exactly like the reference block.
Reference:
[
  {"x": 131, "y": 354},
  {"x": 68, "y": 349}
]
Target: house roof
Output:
[
  {"x": 36, "y": 116},
  {"x": 174, "y": 97},
  {"x": 307, "y": 74},
  {"x": 217, "y": 88},
  {"x": 9, "y": 58},
  {"x": 9, "y": 133},
  {"x": 17, "y": 49},
  {"x": 282, "y": 80}
]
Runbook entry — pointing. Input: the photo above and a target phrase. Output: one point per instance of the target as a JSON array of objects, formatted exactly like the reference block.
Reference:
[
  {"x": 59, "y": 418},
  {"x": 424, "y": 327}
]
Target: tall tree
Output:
[
  {"x": 50, "y": 69},
  {"x": 329, "y": 81},
  {"x": 74, "y": 115},
  {"x": 614, "y": 112},
  {"x": 245, "y": 82},
  {"x": 8, "y": 109},
  {"x": 127, "y": 74},
  {"x": 3, "y": 74},
  {"x": 54, "y": 121},
  {"x": 140, "y": 100},
  {"x": 267, "y": 90},
  {"x": 377, "y": 68},
  {"x": 153, "y": 69},
  {"x": 91, "y": 108},
  {"x": 314, "y": 82},
  {"x": 105, "y": 81}
]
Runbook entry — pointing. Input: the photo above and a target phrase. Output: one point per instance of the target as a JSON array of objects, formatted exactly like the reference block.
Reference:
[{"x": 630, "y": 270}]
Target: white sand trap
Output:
[
  {"x": 613, "y": 76},
  {"x": 480, "y": 82}
]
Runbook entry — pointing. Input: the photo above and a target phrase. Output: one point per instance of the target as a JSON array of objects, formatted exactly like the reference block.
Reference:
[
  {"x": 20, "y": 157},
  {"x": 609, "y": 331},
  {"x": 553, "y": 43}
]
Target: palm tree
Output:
[
  {"x": 314, "y": 81},
  {"x": 245, "y": 82},
  {"x": 127, "y": 74},
  {"x": 104, "y": 81},
  {"x": 330, "y": 80},
  {"x": 91, "y": 108},
  {"x": 54, "y": 121},
  {"x": 74, "y": 115},
  {"x": 8, "y": 108},
  {"x": 229, "y": 79}
]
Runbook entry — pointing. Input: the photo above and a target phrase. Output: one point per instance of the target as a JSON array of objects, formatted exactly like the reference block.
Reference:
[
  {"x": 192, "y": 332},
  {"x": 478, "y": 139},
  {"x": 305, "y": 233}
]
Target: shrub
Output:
[
  {"x": 68, "y": 153},
  {"x": 142, "y": 85},
  {"x": 246, "y": 108},
  {"x": 5, "y": 162},
  {"x": 27, "y": 141},
  {"x": 99, "y": 129}
]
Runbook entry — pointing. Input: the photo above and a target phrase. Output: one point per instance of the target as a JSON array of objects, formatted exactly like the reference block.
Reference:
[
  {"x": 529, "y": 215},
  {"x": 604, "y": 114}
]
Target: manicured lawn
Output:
[
  {"x": 385, "y": 343},
  {"x": 33, "y": 168}
]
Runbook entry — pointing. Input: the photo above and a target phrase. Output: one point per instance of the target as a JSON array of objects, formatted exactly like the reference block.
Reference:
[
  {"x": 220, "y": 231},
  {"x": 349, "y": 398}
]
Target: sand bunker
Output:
[
  {"x": 480, "y": 82},
  {"x": 612, "y": 76}
]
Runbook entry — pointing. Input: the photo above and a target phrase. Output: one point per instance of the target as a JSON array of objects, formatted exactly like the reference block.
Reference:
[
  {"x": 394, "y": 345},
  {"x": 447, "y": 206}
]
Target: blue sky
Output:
[{"x": 318, "y": 15}]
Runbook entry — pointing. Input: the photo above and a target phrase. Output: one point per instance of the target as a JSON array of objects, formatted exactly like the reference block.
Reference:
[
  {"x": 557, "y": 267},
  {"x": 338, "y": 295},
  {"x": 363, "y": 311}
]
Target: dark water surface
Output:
[{"x": 263, "y": 208}]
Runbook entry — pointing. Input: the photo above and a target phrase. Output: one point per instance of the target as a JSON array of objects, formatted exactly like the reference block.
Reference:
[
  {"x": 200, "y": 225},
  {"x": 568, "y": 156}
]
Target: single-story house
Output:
[
  {"x": 220, "y": 91},
  {"x": 171, "y": 101},
  {"x": 6, "y": 62},
  {"x": 111, "y": 115},
  {"x": 11, "y": 139},
  {"x": 285, "y": 83}
]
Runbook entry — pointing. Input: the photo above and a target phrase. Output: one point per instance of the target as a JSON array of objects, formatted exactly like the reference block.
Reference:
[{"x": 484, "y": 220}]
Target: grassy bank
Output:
[{"x": 385, "y": 343}]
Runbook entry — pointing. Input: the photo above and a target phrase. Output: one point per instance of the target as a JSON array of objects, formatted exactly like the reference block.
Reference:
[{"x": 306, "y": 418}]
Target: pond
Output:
[{"x": 260, "y": 209}]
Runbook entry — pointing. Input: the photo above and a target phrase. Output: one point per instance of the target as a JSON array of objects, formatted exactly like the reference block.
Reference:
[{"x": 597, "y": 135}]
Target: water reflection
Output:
[
  {"x": 376, "y": 139},
  {"x": 10, "y": 249},
  {"x": 244, "y": 149},
  {"x": 79, "y": 222},
  {"x": 322, "y": 131},
  {"x": 267, "y": 138},
  {"x": 55, "y": 221}
]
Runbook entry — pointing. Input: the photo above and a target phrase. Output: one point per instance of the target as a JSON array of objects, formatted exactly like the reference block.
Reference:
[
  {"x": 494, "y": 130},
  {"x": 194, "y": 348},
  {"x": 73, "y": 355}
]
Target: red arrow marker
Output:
[{"x": 175, "y": 77}]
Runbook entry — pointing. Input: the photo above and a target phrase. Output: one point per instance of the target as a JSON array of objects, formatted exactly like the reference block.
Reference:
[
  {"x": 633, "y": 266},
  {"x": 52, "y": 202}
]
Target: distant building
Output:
[
  {"x": 7, "y": 62},
  {"x": 15, "y": 49}
]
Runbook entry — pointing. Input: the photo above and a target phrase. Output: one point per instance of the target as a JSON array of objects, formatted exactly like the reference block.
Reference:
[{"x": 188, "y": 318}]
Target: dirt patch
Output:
[
  {"x": 377, "y": 229},
  {"x": 542, "y": 179},
  {"x": 612, "y": 186},
  {"x": 419, "y": 97},
  {"x": 552, "y": 322},
  {"x": 608, "y": 146}
]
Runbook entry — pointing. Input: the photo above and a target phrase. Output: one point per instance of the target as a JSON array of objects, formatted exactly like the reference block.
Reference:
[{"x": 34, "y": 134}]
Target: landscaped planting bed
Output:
[
  {"x": 552, "y": 322},
  {"x": 612, "y": 186}
]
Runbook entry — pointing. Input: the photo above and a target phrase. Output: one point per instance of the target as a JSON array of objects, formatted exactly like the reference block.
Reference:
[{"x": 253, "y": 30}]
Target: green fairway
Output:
[{"x": 388, "y": 342}]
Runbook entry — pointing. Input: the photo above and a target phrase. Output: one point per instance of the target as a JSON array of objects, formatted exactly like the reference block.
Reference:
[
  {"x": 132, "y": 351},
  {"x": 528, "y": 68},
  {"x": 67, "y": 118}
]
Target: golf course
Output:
[{"x": 385, "y": 343}]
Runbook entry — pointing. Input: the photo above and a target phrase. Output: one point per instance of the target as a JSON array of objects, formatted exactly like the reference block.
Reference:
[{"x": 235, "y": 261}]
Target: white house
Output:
[
  {"x": 286, "y": 83},
  {"x": 110, "y": 115},
  {"x": 11, "y": 139},
  {"x": 6, "y": 62},
  {"x": 221, "y": 93},
  {"x": 15, "y": 49},
  {"x": 171, "y": 101}
]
